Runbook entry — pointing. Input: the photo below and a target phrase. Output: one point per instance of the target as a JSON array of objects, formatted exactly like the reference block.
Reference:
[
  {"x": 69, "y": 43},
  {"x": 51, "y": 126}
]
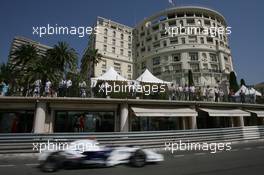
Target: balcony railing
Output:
[{"x": 197, "y": 71}]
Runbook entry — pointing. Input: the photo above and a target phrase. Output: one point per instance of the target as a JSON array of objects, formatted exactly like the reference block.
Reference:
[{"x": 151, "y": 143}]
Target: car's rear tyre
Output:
[
  {"x": 138, "y": 159},
  {"x": 49, "y": 167},
  {"x": 52, "y": 164}
]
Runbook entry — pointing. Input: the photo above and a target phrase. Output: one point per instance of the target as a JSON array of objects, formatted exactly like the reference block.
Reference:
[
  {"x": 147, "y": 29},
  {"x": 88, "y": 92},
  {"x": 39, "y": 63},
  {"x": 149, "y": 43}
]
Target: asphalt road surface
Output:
[{"x": 243, "y": 159}]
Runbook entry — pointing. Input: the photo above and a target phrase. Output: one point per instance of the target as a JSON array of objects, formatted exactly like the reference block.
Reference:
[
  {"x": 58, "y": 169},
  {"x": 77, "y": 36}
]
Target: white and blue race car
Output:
[{"x": 86, "y": 153}]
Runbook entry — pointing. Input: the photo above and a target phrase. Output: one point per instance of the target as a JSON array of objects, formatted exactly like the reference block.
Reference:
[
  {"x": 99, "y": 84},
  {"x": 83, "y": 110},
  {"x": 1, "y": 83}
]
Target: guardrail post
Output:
[
  {"x": 40, "y": 117},
  {"x": 183, "y": 123},
  {"x": 124, "y": 124},
  {"x": 241, "y": 121},
  {"x": 193, "y": 122},
  {"x": 51, "y": 122}
]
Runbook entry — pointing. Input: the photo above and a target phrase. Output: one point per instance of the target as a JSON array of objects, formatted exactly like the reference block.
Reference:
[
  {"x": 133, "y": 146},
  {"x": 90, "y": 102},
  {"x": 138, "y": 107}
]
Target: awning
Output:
[
  {"x": 164, "y": 112},
  {"x": 225, "y": 112},
  {"x": 259, "y": 113}
]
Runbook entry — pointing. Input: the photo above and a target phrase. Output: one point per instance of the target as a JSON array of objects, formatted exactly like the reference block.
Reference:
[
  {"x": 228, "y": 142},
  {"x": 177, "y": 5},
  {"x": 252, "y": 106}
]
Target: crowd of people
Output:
[
  {"x": 192, "y": 93},
  {"x": 212, "y": 94},
  {"x": 244, "y": 95},
  {"x": 64, "y": 89},
  {"x": 175, "y": 92}
]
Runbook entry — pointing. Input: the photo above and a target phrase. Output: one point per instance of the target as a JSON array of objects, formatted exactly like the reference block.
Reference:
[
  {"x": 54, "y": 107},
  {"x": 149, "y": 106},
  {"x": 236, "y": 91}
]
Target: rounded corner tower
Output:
[{"x": 170, "y": 57}]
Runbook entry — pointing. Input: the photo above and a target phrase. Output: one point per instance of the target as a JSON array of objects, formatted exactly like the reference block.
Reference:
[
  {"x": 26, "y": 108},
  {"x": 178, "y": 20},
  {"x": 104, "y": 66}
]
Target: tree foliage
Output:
[
  {"x": 90, "y": 58},
  {"x": 28, "y": 65},
  {"x": 233, "y": 85},
  {"x": 190, "y": 78},
  {"x": 242, "y": 82}
]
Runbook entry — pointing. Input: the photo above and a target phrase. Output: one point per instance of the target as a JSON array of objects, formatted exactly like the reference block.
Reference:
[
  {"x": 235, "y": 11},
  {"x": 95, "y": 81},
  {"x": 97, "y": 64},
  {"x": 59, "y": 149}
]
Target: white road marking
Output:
[
  {"x": 217, "y": 152},
  {"x": 260, "y": 147},
  {"x": 234, "y": 150},
  {"x": 8, "y": 165},
  {"x": 32, "y": 164},
  {"x": 180, "y": 155},
  {"x": 248, "y": 148},
  {"x": 199, "y": 154}
]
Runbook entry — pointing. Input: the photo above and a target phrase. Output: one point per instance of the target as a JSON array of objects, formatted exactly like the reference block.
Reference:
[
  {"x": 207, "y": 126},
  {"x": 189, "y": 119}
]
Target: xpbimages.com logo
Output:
[
  {"x": 193, "y": 30},
  {"x": 80, "y": 31},
  {"x": 204, "y": 146},
  {"x": 62, "y": 146},
  {"x": 146, "y": 89}
]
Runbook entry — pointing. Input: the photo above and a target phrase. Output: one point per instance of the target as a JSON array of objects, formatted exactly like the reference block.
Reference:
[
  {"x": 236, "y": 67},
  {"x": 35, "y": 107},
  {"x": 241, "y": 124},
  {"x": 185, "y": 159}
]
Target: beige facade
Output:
[
  {"x": 114, "y": 42},
  {"x": 170, "y": 57}
]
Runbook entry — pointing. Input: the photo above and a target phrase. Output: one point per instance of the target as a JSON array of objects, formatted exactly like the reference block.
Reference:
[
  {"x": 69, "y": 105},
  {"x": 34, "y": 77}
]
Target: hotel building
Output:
[
  {"x": 114, "y": 42},
  {"x": 170, "y": 57}
]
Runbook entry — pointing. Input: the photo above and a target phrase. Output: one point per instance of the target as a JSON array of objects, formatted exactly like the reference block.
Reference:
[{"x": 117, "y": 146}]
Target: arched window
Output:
[{"x": 181, "y": 22}]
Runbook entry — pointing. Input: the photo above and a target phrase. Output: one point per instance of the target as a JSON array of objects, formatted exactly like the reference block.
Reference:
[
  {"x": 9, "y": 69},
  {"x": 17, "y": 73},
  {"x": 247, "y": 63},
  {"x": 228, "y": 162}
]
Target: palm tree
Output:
[
  {"x": 5, "y": 72},
  {"x": 190, "y": 78},
  {"x": 24, "y": 60},
  {"x": 90, "y": 58},
  {"x": 242, "y": 82},
  {"x": 28, "y": 65},
  {"x": 63, "y": 58},
  {"x": 233, "y": 85},
  {"x": 24, "y": 54}
]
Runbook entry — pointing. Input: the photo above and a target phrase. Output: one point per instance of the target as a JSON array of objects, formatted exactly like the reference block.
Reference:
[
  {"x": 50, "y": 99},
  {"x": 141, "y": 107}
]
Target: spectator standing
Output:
[
  {"x": 5, "y": 88},
  {"x": 199, "y": 94},
  {"x": 68, "y": 87},
  {"x": 171, "y": 92},
  {"x": 186, "y": 93},
  {"x": 252, "y": 95},
  {"x": 37, "y": 88},
  {"x": 62, "y": 88},
  {"x": 231, "y": 95},
  {"x": 217, "y": 95},
  {"x": 1, "y": 88},
  {"x": 211, "y": 94},
  {"x": 192, "y": 93},
  {"x": 242, "y": 96},
  {"x": 221, "y": 95},
  {"x": 134, "y": 85},
  {"x": 207, "y": 93},
  {"x": 48, "y": 88},
  {"x": 180, "y": 92},
  {"x": 82, "y": 86}
]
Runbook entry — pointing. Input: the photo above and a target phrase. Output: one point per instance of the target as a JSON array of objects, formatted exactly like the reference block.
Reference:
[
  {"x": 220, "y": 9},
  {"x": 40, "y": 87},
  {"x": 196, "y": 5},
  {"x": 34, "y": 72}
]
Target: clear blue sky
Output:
[{"x": 245, "y": 17}]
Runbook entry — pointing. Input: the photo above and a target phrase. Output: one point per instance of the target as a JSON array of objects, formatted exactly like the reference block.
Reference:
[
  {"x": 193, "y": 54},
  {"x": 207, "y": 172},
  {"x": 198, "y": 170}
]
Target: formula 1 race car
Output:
[{"x": 87, "y": 153}]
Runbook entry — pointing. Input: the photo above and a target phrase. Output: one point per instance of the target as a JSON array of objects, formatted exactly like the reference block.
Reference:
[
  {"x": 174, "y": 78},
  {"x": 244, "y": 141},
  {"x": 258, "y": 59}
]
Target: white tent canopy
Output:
[
  {"x": 242, "y": 89},
  {"x": 109, "y": 75},
  {"x": 148, "y": 77},
  {"x": 253, "y": 91},
  {"x": 247, "y": 91}
]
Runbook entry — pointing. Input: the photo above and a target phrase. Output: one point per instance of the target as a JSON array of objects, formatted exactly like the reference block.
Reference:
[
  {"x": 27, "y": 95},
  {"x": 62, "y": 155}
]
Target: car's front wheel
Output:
[
  {"x": 138, "y": 159},
  {"x": 52, "y": 163}
]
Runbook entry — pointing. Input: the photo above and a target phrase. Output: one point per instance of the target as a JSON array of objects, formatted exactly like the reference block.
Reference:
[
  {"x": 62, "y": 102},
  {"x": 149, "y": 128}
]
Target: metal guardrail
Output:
[{"x": 23, "y": 143}]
